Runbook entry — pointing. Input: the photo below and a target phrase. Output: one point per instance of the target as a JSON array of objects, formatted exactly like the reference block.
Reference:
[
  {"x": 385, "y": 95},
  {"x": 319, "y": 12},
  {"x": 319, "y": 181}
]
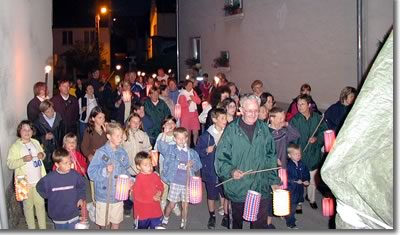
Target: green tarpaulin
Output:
[{"x": 359, "y": 169}]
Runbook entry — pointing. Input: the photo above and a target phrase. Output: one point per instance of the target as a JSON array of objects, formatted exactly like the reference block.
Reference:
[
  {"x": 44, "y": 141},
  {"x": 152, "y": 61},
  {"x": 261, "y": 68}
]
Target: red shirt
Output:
[
  {"x": 143, "y": 191},
  {"x": 78, "y": 161}
]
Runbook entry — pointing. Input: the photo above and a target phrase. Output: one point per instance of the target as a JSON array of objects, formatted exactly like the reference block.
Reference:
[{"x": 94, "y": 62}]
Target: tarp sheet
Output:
[{"x": 359, "y": 169}]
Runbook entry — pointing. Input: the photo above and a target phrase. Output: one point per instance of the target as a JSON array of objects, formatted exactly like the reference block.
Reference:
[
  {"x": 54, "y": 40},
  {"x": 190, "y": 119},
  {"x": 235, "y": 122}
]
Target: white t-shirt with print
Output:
[{"x": 33, "y": 167}]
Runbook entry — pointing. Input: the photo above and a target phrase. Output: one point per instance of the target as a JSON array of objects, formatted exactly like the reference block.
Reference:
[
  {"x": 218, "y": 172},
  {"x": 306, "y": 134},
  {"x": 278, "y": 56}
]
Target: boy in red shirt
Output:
[{"x": 146, "y": 193}]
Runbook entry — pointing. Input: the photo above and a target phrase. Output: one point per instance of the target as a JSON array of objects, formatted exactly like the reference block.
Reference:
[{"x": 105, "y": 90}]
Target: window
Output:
[
  {"x": 67, "y": 38},
  {"x": 233, "y": 7},
  {"x": 196, "y": 49},
  {"x": 89, "y": 37}
]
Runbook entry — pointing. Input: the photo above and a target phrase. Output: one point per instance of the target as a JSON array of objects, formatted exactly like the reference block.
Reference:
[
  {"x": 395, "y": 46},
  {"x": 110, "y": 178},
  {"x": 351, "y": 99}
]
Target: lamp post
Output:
[{"x": 103, "y": 10}]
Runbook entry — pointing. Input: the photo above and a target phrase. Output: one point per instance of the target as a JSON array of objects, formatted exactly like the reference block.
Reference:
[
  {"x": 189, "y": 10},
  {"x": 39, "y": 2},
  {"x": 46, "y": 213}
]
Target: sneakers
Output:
[
  {"x": 161, "y": 226},
  {"x": 225, "y": 222},
  {"x": 183, "y": 224},
  {"x": 292, "y": 226},
  {"x": 271, "y": 226},
  {"x": 221, "y": 210},
  {"x": 177, "y": 210},
  {"x": 313, "y": 205},
  {"x": 211, "y": 222}
]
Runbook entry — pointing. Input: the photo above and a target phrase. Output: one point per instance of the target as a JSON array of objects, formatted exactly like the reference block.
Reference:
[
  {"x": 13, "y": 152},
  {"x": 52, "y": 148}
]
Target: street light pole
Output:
[{"x": 97, "y": 31}]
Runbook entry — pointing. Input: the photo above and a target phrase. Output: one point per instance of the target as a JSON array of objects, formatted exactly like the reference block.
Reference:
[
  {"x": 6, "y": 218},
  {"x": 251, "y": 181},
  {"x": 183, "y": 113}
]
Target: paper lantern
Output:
[
  {"x": 154, "y": 157},
  {"x": 251, "y": 205},
  {"x": 281, "y": 202},
  {"x": 329, "y": 140},
  {"x": 327, "y": 206},
  {"x": 195, "y": 190},
  {"x": 283, "y": 175},
  {"x": 122, "y": 190},
  {"x": 84, "y": 212},
  {"x": 82, "y": 225},
  {"x": 21, "y": 188},
  {"x": 177, "y": 111}
]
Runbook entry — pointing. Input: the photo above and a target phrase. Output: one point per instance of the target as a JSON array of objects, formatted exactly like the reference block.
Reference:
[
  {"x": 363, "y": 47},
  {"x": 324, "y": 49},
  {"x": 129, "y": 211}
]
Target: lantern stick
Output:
[
  {"x": 320, "y": 121},
  {"x": 226, "y": 181},
  {"x": 270, "y": 169},
  {"x": 185, "y": 205},
  {"x": 108, "y": 79}
]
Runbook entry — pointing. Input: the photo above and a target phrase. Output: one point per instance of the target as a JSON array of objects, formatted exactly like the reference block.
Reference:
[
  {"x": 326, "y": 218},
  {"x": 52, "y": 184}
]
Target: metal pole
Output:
[
  {"x": 177, "y": 42},
  {"x": 3, "y": 205},
  {"x": 360, "y": 61}
]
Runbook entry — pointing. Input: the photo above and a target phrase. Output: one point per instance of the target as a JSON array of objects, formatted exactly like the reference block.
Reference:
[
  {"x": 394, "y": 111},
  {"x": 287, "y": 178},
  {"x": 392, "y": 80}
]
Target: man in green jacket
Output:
[
  {"x": 247, "y": 144},
  {"x": 157, "y": 110},
  {"x": 306, "y": 122}
]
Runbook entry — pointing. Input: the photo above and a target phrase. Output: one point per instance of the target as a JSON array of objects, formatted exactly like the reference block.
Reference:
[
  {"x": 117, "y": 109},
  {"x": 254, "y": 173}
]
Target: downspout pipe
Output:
[
  {"x": 360, "y": 61},
  {"x": 3, "y": 205},
  {"x": 177, "y": 42}
]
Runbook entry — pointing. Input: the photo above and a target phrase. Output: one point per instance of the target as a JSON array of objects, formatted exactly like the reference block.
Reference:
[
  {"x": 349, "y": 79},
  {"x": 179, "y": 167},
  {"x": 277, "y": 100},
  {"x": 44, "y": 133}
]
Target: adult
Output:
[
  {"x": 257, "y": 87},
  {"x": 205, "y": 86},
  {"x": 306, "y": 122},
  {"x": 336, "y": 113},
  {"x": 40, "y": 92},
  {"x": 123, "y": 98},
  {"x": 161, "y": 76},
  {"x": 86, "y": 104},
  {"x": 173, "y": 90},
  {"x": 67, "y": 106},
  {"x": 157, "y": 110},
  {"x": 188, "y": 100},
  {"x": 95, "y": 81},
  {"x": 164, "y": 95},
  {"x": 247, "y": 144}
]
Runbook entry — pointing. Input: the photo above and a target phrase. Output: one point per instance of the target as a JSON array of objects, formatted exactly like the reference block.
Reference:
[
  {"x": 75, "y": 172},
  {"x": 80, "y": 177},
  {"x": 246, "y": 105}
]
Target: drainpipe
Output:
[
  {"x": 359, "y": 43},
  {"x": 177, "y": 42},
  {"x": 3, "y": 206}
]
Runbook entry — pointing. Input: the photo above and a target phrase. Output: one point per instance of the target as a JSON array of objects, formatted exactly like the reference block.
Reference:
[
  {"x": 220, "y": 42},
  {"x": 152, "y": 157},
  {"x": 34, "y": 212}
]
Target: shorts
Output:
[
  {"x": 213, "y": 192},
  {"x": 115, "y": 213},
  {"x": 178, "y": 193}
]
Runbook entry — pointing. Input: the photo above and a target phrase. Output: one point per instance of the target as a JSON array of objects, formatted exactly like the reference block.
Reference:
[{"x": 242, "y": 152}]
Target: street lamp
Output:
[
  {"x": 47, "y": 70},
  {"x": 103, "y": 10}
]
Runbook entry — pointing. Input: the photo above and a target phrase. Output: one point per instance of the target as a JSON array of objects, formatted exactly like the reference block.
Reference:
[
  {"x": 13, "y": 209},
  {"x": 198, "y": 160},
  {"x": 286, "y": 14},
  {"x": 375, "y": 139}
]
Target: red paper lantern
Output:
[
  {"x": 195, "y": 190},
  {"x": 251, "y": 205},
  {"x": 177, "y": 111},
  {"x": 329, "y": 140},
  {"x": 154, "y": 157},
  {"x": 327, "y": 206},
  {"x": 283, "y": 176}
]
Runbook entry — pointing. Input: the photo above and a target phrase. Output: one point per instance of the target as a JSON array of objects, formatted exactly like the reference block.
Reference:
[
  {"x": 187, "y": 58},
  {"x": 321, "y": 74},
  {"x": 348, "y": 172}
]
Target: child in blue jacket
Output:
[{"x": 206, "y": 147}]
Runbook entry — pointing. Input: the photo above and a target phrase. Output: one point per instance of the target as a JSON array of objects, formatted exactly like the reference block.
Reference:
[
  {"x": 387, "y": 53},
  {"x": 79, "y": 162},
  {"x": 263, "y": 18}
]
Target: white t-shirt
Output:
[{"x": 33, "y": 167}]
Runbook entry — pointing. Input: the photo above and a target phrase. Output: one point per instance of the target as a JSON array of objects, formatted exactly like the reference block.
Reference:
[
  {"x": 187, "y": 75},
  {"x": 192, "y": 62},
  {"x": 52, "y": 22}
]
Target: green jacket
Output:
[
  {"x": 235, "y": 151},
  {"x": 312, "y": 156},
  {"x": 157, "y": 113}
]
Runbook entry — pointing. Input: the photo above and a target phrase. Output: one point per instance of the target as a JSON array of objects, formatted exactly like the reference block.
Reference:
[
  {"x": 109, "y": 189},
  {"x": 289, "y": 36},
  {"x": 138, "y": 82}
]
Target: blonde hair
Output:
[
  {"x": 293, "y": 147},
  {"x": 181, "y": 130},
  {"x": 70, "y": 135},
  {"x": 112, "y": 127}
]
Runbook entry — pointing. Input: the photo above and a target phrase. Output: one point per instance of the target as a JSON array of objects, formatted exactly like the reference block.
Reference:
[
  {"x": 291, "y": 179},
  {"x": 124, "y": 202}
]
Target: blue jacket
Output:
[
  {"x": 335, "y": 115},
  {"x": 171, "y": 161},
  {"x": 208, "y": 173},
  {"x": 299, "y": 172},
  {"x": 98, "y": 173}
]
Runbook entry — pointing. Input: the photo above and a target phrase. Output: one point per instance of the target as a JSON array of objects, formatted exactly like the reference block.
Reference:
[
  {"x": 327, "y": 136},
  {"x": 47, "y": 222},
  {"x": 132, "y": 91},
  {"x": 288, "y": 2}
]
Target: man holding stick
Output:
[
  {"x": 247, "y": 145},
  {"x": 311, "y": 128}
]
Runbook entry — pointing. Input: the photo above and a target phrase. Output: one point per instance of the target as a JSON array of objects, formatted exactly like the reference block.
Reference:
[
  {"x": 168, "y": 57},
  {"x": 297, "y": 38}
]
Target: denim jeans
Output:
[{"x": 66, "y": 226}]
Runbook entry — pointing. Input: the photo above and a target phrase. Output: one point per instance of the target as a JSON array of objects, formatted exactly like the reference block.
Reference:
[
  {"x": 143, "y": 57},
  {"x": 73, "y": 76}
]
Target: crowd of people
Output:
[{"x": 90, "y": 133}]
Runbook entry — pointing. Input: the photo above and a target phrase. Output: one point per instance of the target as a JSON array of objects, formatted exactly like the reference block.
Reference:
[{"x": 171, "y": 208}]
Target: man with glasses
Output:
[{"x": 247, "y": 144}]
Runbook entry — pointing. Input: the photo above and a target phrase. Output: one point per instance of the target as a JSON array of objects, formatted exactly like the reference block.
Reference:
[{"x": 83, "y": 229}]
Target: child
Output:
[
  {"x": 146, "y": 193},
  {"x": 180, "y": 163},
  {"x": 50, "y": 130},
  {"x": 65, "y": 191},
  {"x": 298, "y": 177},
  {"x": 25, "y": 157},
  {"x": 305, "y": 89},
  {"x": 135, "y": 140},
  {"x": 108, "y": 162},
  {"x": 206, "y": 146},
  {"x": 78, "y": 161}
]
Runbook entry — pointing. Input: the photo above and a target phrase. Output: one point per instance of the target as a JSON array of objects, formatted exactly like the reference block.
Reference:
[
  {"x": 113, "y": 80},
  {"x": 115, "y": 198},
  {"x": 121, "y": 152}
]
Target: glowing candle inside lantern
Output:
[
  {"x": 21, "y": 188},
  {"x": 154, "y": 157},
  {"x": 251, "y": 205},
  {"x": 216, "y": 79},
  {"x": 154, "y": 75},
  {"x": 195, "y": 190},
  {"x": 327, "y": 207},
  {"x": 283, "y": 175},
  {"x": 122, "y": 188},
  {"x": 177, "y": 111},
  {"x": 329, "y": 140},
  {"x": 281, "y": 202}
]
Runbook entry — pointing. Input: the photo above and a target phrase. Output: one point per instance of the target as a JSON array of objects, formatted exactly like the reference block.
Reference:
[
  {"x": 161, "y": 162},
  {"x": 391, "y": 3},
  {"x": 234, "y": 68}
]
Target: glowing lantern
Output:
[
  {"x": 122, "y": 190},
  {"x": 216, "y": 79},
  {"x": 154, "y": 157},
  {"x": 329, "y": 140},
  {"x": 327, "y": 206},
  {"x": 126, "y": 96},
  {"x": 251, "y": 205},
  {"x": 283, "y": 175},
  {"x": 177, "y": 111},
  {"x": 21, "y": 188},
  {"x": 195, "y": 190},
  {"x": 154, "y": 75},
  {"x": 281, "y": 202}
]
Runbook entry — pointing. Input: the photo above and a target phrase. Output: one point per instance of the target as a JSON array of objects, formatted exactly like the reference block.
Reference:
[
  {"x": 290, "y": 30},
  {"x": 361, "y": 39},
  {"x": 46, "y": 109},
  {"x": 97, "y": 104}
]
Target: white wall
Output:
[
  {"x": 27, "y": 46},
  {"x": 284, "y": 43}
]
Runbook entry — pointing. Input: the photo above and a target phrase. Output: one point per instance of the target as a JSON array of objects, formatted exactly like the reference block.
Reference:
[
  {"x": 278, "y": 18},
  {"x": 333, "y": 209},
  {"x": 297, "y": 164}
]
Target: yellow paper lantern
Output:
[
  {"x": 21, "y": 188},
  {"x": 281, "y": 202}
]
